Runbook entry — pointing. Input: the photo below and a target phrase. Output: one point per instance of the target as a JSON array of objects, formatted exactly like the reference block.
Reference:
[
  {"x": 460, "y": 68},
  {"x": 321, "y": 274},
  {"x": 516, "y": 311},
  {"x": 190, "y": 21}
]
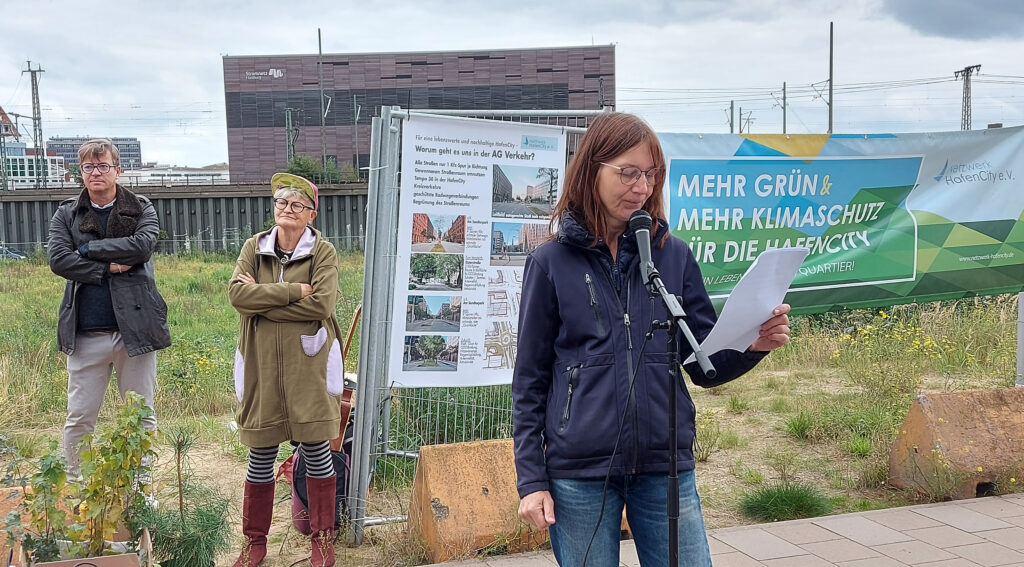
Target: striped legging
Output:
[{"x": 317, "y": 457}]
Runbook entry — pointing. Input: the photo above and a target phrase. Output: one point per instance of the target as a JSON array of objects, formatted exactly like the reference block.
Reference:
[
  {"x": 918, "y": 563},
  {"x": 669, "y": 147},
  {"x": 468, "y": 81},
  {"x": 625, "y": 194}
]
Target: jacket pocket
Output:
[
  {"x": 595, "y": 306},
  {"x": 585, "y": 416},
  {"x": 656, "y": 391},
  {"x": 573, "y": 372},
  {"x": 335, "y": 369},
  {"x": 239, "y": 375},
  {"x": 311, "y": 344}
]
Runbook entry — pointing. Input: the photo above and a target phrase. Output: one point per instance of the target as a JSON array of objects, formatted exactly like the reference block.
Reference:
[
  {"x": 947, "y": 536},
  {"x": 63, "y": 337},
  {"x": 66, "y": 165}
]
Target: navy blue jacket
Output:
[{"x": 582, "y": 324}]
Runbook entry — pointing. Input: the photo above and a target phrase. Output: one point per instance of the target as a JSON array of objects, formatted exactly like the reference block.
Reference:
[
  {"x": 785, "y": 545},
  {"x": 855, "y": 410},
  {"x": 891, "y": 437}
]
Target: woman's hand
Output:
[
  {"x": 246, "y": 278},
  {"x": 775, "y": 331},
  {"x": 307, "y": 290},
  {"x": 119, "y": 268},
  {"x": 537, "y": 509}
]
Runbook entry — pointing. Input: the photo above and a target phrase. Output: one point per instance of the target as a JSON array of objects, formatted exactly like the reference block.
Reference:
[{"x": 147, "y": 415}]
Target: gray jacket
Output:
[{"x": 130, "y": 238}]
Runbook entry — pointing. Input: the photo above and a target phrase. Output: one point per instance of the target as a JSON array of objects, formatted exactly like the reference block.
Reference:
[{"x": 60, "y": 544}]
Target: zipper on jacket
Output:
[
  {"x": 632, "y": 393},
  {"x": 594, "y": 305},
  {"x": 629, "y": 365},
  {"x": 574, "y": 371}
]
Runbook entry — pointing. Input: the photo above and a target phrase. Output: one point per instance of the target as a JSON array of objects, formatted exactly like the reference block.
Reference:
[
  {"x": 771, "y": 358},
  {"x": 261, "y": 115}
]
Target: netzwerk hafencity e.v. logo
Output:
[{"x": 980, "y": 171}]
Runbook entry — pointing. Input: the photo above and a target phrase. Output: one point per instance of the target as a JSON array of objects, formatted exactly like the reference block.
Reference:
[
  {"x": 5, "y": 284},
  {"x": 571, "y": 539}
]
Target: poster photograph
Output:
[{"x": 475, "y": 199}]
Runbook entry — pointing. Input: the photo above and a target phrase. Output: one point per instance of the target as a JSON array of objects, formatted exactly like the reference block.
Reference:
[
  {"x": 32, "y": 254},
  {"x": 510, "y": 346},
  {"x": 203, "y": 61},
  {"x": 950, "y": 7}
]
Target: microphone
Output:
[{"x": 640, "y": 223}]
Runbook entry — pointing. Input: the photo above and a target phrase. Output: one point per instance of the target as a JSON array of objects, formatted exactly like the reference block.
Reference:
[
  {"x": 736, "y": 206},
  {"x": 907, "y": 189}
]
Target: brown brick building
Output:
[{"x": 258, "y": 89}]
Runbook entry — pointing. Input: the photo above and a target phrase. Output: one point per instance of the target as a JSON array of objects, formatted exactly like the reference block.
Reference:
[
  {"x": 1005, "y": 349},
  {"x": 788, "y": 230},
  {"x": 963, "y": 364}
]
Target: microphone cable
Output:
[{"x": 615, "y": 447}]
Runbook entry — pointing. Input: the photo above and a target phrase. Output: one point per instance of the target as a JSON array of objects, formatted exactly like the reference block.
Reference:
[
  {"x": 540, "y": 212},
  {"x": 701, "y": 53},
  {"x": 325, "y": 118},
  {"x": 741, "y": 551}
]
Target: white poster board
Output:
[{"x": 476, "y": 198}]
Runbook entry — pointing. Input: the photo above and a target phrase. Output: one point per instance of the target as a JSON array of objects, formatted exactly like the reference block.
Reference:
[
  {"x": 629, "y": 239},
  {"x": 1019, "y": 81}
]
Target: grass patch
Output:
[
  {"x": 800, "y": 425},
  {"x": 737, "y": 404},
  {"x": 779, "y": 404},
  {"x": 858, "y": 445},
  {"x": 785, "y": 501},
  {"x": 730, "y": 439},
  {"x": 194, "y": 373}
]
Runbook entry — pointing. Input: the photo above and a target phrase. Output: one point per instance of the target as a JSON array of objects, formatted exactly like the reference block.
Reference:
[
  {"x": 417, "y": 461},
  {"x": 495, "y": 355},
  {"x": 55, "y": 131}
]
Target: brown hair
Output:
[
  {"x": 96, "y": 148},
  {"x": 608, "y": 136}
]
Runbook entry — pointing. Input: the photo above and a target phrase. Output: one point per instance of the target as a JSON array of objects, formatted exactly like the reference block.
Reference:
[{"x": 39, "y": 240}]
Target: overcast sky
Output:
[{"x": 137, "y": 68}]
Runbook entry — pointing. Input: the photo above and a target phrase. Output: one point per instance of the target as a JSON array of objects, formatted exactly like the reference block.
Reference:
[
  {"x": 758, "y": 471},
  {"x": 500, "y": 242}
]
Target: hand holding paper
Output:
[{"x": 761, "y": 289}]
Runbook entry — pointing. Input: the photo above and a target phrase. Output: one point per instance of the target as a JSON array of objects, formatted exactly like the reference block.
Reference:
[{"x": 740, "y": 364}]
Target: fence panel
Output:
[
  {"x": 392, "y": 423},
  {"x": 207, "y": 218}
]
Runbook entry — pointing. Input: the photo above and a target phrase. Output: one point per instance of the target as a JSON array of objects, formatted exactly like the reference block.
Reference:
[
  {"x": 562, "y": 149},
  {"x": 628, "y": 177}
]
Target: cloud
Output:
[
  {"x": 154, "y": 70},
  {"x": 981, "y": 19}
]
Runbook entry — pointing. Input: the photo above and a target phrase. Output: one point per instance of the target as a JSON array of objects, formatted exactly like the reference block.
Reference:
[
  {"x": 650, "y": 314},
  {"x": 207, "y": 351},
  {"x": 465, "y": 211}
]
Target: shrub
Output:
[{"x": 707, "y": 435}]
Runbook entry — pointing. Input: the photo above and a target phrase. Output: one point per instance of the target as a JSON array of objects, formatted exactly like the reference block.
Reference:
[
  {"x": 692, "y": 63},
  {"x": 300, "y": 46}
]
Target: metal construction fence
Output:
[{"x": 392, "y": 423}]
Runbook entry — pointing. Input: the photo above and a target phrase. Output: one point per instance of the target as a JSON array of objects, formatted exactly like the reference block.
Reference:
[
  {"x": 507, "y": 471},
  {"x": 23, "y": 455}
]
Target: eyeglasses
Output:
[
  {"x": 630, "y": 175},
  {"x": 100, "y": 167},
  {"x": 293, "y": 206}
]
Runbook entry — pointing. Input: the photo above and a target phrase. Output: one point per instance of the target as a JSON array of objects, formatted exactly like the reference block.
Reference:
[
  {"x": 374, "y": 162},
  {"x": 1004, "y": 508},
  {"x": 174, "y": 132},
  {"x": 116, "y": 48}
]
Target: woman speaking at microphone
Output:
[{"x": 590, "y": 390}]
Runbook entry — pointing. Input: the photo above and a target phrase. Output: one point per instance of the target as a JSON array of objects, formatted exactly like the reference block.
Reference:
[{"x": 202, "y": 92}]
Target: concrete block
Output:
[
  {"x": 464, "y": 501},
  {"x": 960, "y": 444}
]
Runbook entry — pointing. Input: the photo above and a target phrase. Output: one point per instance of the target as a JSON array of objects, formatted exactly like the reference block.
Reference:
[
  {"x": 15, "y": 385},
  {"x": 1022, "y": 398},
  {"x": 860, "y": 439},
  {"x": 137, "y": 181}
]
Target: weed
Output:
[
  {"x": 708, "y": 433},
  {"x": 800, "y": 425},
  {"x": 782, "y": 462},
  {"x": 746, "y": 474},
  {"x": 859, "y": 445},
  {"x": 737, "y": 404},
  {"x": 730, "y": 439},
  {"x": 779, "y": 404}
]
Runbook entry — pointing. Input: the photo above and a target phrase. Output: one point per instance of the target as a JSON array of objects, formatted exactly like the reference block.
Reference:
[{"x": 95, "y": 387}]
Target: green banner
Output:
[{"x": 887, "y": 218}]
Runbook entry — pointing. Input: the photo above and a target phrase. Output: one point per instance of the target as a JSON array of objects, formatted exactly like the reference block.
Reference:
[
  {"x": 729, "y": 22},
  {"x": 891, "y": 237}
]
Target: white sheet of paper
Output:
[{"x": 761, "y": 289}]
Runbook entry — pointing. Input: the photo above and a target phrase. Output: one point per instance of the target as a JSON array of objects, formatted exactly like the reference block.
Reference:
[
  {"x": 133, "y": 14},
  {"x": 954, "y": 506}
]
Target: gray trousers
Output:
[{"x": 89, "y": 370}]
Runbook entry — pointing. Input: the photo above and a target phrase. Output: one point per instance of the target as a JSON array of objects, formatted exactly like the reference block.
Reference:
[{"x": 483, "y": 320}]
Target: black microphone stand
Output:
[{"x": 675, "y": 323}]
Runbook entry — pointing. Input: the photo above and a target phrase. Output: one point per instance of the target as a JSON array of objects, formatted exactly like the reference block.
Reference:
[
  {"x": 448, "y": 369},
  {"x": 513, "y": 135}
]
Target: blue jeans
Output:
[{"x": 578, "y": 507}]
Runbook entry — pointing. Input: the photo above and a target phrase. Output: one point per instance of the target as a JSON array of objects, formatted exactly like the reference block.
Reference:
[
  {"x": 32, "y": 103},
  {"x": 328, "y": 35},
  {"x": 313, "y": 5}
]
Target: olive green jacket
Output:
[{"x": 288, "y": 365}]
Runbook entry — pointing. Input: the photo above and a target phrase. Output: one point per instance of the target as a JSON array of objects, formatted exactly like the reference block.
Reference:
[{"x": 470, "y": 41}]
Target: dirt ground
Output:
[
  {"x": 721, "y": 480},
  {"x": 285, "y": 545}
]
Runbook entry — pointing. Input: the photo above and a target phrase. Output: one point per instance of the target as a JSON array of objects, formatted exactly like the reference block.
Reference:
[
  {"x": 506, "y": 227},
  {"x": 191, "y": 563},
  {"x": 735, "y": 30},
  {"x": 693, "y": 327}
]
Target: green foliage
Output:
[
  {"x": 115, "y": 470},
  {"x": 348, "y": 173},
  {"x": 737, "y": 404},
  {"x": 859, "y": 445},
  {"x": 194, "y": 528},
  {"x": 785, "y": 501},
  {"x": 42, "y": 497},
  {"x": 77, "y": 518},
  {"x": 746, "y": 474},
  {"x": 730, "y": 439},
  {"x": 193, "y": 373},
  {"x": 312, "y": 169},
  {"x": 800, "y": 425},
  {"x": 444, "y": 267},
  {"x": 707, "y": 434},
  {"x": 75, "y": 171}
]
